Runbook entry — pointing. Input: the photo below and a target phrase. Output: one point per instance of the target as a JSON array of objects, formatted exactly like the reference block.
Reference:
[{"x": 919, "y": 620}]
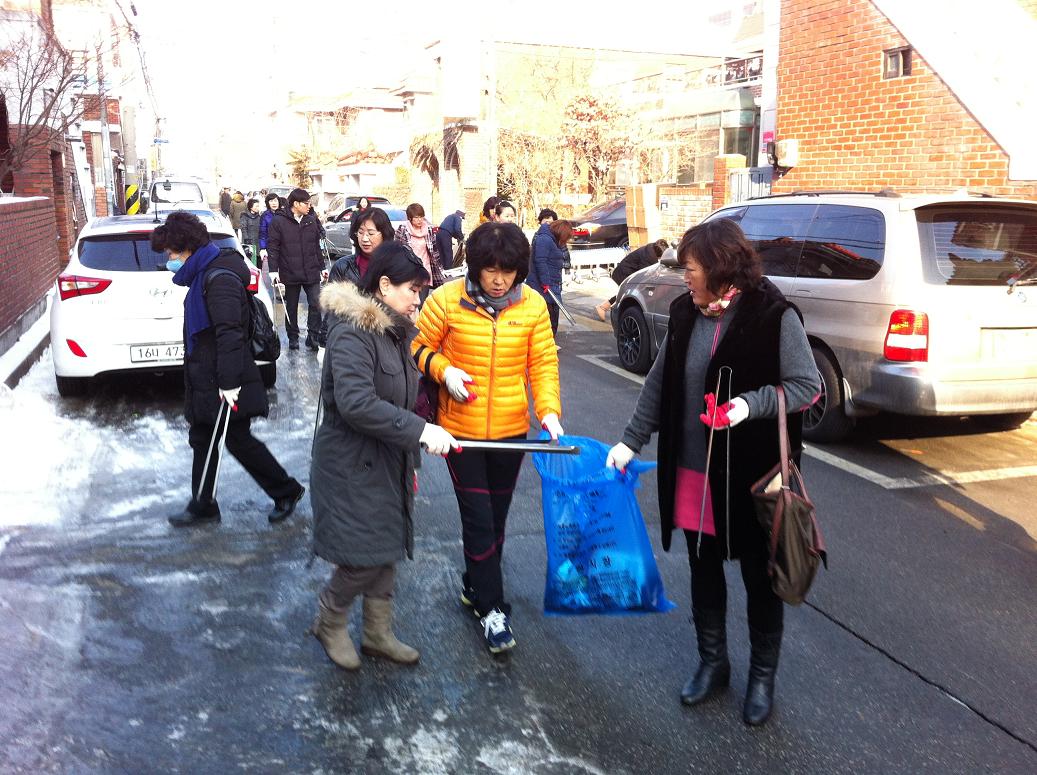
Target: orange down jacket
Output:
[{"x": 500, "y": 355}]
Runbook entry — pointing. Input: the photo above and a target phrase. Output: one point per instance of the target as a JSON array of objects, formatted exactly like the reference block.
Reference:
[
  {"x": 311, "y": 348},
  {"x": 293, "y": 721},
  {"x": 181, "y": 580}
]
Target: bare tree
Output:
[
  {"x": 531, "y": 168},
  {"x": 600, "y": 133},
  {"x": 41, "y": 85}
]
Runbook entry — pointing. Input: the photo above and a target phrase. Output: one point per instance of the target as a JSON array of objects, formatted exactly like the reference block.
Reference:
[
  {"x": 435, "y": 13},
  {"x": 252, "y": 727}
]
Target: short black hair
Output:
[
  {"x": 270, "y": 198},
  {"x": 395, "y": 261},
  {"x": 503, "y": 205},
  {"x": 547, "y": 213},
  {"x": 181, "y": 231},
  {"x": 250, "y": 202},
  {"x": 375, "y": 215},
  {"x": 489, "y": 204},
  {"x": 298, "y": 195},
  {"x": 497, "y": 244}
]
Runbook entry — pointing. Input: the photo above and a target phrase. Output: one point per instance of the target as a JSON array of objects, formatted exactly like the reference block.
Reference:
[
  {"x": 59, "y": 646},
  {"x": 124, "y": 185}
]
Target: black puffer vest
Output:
[{"x": 751, "y": 348}]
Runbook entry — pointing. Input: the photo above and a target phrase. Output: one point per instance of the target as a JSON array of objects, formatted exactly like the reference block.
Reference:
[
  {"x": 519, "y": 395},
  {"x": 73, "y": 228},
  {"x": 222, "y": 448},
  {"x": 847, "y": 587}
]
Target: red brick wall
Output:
[
  {"x": 857, "y": 131},
  {"x": 28, "y": 255}
]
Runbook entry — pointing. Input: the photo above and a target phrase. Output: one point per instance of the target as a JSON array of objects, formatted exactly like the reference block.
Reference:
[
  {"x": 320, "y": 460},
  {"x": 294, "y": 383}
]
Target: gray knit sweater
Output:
[{"x": 798, "y": 377}]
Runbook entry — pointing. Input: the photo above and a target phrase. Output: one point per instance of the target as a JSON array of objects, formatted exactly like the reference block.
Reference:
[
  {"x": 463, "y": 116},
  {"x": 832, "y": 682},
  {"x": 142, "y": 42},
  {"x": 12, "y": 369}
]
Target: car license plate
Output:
[{"x": 166, "y": 352}]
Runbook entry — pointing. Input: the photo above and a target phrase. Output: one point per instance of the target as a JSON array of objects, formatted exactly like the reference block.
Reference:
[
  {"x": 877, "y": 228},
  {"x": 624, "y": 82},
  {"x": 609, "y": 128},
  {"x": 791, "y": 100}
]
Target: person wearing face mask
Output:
[
  {"x": 484, "y": 338},
  {"x": 733, "y": 334},
  {"x": 221, "y": 378},
  {"x": 372, "y": 229},
  {"x": 366, "y": 451}
]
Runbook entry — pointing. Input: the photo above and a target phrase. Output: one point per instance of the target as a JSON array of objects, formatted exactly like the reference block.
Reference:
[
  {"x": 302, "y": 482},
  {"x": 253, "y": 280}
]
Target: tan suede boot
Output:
[
  {"x": 378, "y": 640},
  {"x": 602, "y": 310},
  {"x": 330, "y": 629}
]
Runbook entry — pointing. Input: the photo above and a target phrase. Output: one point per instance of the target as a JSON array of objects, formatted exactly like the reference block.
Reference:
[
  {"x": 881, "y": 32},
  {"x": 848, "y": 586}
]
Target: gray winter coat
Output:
[{"x": 367, "y": 446}]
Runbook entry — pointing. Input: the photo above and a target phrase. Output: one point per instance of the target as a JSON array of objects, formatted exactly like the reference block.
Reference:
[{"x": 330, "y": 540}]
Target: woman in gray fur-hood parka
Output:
[{"x": 365, "y": 454}]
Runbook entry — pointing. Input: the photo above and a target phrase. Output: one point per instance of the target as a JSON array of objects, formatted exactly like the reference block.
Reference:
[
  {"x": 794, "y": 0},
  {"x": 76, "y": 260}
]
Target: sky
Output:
[{"x": 212, "y": 63}]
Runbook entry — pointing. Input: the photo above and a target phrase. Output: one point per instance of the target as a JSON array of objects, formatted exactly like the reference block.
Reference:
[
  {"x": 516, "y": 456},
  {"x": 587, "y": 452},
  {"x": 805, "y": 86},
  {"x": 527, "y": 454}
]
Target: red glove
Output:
[
  {"x": 726, "y": 415},
  {"x": 547, "y": 289},
  {"x": 471, "y": 393}
]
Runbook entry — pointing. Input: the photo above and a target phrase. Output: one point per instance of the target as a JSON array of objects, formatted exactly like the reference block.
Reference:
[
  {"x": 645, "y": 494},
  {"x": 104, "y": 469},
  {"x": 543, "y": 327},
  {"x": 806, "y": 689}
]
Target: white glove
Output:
[
  {"x": 275, "y": 278},
  {"x": 551, "y": 425},
  {"x": 262, "y": 254},
  {"x": 231, "y": 397},
  {"x": 436, "y": 440},
  {"x": 456, "y": 380},
  {"x": 737, "y": 411},
  {"x": 619, "y": 457}
]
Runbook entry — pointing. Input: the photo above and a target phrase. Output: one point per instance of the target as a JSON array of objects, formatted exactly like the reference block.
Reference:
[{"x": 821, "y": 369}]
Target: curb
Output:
[{"x": 26, "y": 351}]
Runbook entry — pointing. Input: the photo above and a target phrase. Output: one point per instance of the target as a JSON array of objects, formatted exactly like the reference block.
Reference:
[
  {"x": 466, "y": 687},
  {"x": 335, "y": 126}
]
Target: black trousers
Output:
[
  {"x": 552, "y": 311},
  {"x": 483, "y": 484},
  {"x": 765, "y": 610},
  {"x": 247, "y": 450},
  {"x": 291, "y": 307}
]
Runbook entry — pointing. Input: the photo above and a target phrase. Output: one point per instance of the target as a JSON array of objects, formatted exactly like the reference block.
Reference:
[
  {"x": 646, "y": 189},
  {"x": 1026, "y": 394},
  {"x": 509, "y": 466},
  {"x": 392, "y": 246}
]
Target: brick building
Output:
[{"x": 869, "y": 111}]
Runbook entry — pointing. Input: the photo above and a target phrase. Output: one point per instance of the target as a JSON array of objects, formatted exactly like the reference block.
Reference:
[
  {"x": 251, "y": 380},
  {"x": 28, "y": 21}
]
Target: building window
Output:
[{"x": 896, "y": 62}]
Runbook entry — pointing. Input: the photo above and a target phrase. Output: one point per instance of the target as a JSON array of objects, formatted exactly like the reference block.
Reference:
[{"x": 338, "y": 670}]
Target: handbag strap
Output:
[{"x": 783, "y": 436}]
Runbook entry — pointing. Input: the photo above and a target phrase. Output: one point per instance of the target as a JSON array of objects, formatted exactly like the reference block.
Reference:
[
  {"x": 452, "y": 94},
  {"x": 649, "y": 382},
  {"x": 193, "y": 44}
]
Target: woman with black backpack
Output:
[{"x": 223, "y": 386}]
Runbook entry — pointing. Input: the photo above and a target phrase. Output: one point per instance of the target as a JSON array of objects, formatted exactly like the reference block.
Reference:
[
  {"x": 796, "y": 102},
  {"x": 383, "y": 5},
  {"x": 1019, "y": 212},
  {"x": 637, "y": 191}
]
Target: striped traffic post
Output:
[{"x": 132, "y": 200}]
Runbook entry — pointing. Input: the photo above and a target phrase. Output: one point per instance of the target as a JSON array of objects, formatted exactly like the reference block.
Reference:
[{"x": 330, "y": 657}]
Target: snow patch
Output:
[
  {"x": 122, "y": 508},
  {"x": 427, "y": 752},
  {"x": 513, "y": 758}
]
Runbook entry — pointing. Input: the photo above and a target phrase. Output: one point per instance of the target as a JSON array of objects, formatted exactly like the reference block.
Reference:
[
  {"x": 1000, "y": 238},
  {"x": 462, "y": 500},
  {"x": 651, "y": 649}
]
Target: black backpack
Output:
[{"x": 263, "y": 338}]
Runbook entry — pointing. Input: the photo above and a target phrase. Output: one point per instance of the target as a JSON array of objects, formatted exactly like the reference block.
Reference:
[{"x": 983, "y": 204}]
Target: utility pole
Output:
[{"x": 106, "y": 139}]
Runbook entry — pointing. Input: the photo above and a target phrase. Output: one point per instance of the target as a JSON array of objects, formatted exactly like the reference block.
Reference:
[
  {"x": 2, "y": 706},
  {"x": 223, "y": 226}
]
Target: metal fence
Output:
[{"x": 749, "y": 182}]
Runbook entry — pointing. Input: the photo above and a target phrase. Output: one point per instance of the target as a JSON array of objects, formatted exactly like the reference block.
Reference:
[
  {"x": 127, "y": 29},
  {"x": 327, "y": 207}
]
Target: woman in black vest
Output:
[{"x": 731, "y": 340}]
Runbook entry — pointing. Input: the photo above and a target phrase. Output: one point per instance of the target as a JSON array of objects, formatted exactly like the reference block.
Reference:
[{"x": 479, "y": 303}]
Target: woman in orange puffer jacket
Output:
[{"x": 485, "y": 338}]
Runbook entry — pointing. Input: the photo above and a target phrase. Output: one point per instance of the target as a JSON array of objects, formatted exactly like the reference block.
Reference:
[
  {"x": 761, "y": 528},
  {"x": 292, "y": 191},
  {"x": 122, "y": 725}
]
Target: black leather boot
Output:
[
  {"x": 763, "y": 668},
  {"x": 196, "y": 513},
  {"x": 714, "y": 670}
]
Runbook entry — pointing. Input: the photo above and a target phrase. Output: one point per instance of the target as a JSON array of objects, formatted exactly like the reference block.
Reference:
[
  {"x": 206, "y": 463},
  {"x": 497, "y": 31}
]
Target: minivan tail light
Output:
[
  {"x": 907, "y": 337},
  {"x": 70, "y": 285}
]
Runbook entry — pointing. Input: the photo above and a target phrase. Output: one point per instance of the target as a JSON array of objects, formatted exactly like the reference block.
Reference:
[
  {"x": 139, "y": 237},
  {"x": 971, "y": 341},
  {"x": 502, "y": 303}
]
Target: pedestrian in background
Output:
[
  {"x": 296, "y": 260},
  {"x": 488, "y": 210},
  {"x": 452, "y": 228},
  {"x": 634, "y": 261},
  {"x": 545, "y": 271},
  {"x": 366, "y": 452},
  {"x": 237, "y": 209},
  {"x": 505, "y": 212},
  {"x": 734, "y": 329},
  {"x": 483, "y": 338},
  {"x": 547, "y": 215},
  {"x": 273, "y": 202},
  {"x": 250, "y": 230},
  {"x": 225, "y": 201},
  {"x": 373, "y": 228},
  {"x": 418, "y": 235},
  {"x": 220, "y": 375},
  {"x": 362, "y": 206}
]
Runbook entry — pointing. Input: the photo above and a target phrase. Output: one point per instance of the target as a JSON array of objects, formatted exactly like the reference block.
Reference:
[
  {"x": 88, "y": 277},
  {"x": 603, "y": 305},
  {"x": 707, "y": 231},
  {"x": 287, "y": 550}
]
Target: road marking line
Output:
[
  {"x": 600, "y": 362},
  {"x": 886, "y": 482}
]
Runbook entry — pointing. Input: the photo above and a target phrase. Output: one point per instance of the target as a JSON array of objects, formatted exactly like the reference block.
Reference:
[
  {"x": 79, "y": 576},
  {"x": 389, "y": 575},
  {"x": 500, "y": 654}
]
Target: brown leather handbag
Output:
[{"x": 784, "y": 509}]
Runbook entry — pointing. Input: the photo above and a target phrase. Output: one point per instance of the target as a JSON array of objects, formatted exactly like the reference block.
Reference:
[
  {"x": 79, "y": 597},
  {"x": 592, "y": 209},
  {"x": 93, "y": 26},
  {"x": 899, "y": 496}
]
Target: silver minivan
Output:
[{"x": 915, "y": 304}]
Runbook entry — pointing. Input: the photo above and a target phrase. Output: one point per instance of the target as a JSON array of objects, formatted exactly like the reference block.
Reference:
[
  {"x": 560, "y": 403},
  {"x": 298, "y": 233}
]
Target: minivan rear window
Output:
[
  {"x": 978, "y": 245},
  {"x": 128, "y": 252}
]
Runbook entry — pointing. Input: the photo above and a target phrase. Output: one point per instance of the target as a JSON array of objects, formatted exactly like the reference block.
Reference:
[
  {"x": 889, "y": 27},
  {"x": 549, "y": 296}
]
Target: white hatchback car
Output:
[{"x": 116, "y": 309}]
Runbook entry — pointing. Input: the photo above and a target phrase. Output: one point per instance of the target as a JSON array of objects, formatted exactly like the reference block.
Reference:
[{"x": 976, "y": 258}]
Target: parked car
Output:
[
  {"x": 603, "y": 226},
  {"x": 913, "y": 304},
  {"x": 337, "y": 227},
  {"x": 116, "y": 309}
]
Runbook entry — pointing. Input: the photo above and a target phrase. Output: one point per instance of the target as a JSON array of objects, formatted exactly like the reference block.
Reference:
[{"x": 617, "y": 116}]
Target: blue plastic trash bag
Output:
[{"x": 599, "y": 559}]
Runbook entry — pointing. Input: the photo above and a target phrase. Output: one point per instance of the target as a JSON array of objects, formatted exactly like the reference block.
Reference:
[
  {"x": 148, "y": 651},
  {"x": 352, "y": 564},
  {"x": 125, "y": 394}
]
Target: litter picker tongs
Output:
[{"x": 529, "y": 445}]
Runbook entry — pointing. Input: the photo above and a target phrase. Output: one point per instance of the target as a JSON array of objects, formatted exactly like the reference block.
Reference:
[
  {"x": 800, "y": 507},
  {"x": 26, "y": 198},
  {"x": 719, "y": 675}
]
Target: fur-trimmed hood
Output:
[{"x": 346, "y": 301}]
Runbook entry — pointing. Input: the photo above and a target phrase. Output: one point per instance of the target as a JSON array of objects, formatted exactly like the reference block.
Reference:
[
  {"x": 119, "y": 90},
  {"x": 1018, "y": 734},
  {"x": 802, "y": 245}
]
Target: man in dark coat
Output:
[
  {"x": 223, "y": 386},
  {"x": 634, "y": 261},
  {"x": 450, "y": 229},
  {"x": 295, "y": 259}
]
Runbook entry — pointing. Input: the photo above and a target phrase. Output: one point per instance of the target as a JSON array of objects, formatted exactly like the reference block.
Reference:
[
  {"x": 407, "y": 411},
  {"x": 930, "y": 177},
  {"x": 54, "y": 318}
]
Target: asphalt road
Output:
[{"x": 133, "y": 647}]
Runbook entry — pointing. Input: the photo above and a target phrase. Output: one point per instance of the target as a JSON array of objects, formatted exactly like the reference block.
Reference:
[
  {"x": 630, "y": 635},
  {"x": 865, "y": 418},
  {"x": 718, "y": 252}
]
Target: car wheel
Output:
[
  {"x": 71, "y": 387},
  {"x": 268, "y": 372},
  {"x": 632, "y": 341},
  {"x": 1005, "y": 422},
  {"x": 825, "y": 420}
]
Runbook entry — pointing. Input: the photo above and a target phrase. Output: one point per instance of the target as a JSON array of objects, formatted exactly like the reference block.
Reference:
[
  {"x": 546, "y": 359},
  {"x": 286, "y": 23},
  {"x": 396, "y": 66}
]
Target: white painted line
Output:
[
  {"x": 601, "y": 363},
  {"x": 874, "y": 477},
  {"x": 886, "y": 482}
]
